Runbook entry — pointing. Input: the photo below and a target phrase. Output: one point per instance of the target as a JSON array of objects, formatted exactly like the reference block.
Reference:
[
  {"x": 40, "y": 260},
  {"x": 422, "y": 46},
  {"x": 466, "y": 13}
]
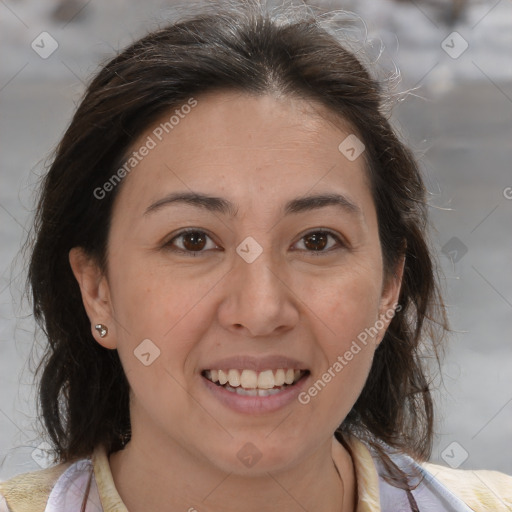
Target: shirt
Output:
[{"x": 62, "y": 488}]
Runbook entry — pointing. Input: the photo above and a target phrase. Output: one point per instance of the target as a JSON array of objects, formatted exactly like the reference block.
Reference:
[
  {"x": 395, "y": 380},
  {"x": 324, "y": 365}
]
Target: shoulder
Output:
[
  {"x": 30, "y": 491},
  {"x": 481, "y": 490},
  {"x": 435, "y": 487}
]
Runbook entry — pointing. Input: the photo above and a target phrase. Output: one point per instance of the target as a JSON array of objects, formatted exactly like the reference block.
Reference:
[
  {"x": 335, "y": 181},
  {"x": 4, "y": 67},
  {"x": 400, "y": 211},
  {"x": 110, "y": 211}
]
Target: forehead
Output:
[{"x": 259, "y": 149}]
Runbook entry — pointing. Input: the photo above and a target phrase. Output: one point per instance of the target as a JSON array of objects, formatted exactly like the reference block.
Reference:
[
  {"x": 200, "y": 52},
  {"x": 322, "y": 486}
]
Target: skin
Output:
[{"x": 258, "y": 152}]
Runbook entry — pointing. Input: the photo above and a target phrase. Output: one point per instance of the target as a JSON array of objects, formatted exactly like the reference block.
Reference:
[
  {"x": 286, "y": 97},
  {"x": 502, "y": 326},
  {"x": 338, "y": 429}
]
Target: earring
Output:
[
  {"x": 125, "y": 436},
  {"x": 102, "y": 330}
]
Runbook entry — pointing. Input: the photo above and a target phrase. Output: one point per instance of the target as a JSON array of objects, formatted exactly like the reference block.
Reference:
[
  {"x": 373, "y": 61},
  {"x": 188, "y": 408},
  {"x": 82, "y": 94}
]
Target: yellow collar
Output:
[{"x": 366, "y": 476}]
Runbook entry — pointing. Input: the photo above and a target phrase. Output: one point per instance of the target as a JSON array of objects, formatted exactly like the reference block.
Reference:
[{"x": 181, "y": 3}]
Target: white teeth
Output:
[
  {"x": 223, "y": 378},
  {"x": 279, "y": 377},
  {"x": 252, "y": 392},
  {"x": 266, "y": 380},
  {"x": 268, "y": 392},
  {"x": 246, "y": 392},
  {"x": 250, "y": 380},
  {"x": 234, "y": 378},
  {"x": 290, "y": 375}
]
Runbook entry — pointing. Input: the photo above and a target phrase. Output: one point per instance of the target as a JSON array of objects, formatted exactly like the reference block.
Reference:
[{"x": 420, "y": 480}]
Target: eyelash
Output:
[{"x": 338, "y": 239}]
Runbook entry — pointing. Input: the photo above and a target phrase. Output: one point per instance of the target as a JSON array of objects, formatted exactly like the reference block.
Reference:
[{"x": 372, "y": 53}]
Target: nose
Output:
[{"x": 259, "y": 299}]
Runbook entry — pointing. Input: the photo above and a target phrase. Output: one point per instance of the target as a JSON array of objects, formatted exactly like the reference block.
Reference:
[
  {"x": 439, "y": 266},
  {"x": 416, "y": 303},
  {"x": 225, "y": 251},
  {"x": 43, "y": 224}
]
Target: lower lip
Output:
[{"x": 256, "y": 404}]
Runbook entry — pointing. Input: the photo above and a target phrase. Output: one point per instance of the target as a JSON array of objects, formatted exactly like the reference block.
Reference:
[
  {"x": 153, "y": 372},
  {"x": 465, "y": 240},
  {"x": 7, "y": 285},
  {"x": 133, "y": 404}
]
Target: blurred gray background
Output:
[{"x": 455, "y": 60}]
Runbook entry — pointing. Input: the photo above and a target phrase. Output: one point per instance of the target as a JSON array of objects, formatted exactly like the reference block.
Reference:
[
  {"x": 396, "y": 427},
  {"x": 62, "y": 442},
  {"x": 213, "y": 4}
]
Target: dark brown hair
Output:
[{"x": 83, "y": 392}]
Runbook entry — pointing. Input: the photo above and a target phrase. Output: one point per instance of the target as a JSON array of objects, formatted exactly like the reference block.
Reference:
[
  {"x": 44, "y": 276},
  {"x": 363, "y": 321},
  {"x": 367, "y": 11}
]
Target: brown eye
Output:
[
  {"x": 316, "y": 241},
  {"x": 194, "y": 241},
  {"x": 191, "y": 241},
  {"x": 319, "y": 242}
]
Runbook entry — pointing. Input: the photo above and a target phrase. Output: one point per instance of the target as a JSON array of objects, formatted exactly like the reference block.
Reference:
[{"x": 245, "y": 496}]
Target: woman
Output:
[{"x": 230, "y": 264}]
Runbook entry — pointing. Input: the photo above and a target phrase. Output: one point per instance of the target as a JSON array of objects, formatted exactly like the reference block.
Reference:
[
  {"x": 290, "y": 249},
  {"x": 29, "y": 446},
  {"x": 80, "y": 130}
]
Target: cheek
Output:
[
  {"x": 347, "y": 302},
  {"x": 346, "y": 309},
  {"x": 159, "y": 326},
  {"x": 153, "y": 300},
  {"x": 160, "y": 306},
  {"x": 347, "y": 350}
]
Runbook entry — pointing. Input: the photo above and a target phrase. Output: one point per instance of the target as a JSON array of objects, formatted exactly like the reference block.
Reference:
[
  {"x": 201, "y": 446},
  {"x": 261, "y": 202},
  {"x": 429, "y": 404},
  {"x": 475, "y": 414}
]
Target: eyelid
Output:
[
  {"x": 168, "y": 244},
  {"x": 341, "y": 241}
]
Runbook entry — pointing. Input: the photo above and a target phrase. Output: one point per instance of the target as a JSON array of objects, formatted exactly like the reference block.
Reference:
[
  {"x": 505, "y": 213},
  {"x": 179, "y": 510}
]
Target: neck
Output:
[{"x": 146, "y": 480}]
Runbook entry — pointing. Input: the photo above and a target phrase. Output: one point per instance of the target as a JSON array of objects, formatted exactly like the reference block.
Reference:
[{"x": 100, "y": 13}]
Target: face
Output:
[{"x": 243, "y": 246}]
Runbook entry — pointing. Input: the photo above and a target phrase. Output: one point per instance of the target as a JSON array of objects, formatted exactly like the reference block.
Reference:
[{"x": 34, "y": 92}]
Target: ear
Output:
[
  {"x": 389, "y": 298},
  {"x": 95, "y": 294}
]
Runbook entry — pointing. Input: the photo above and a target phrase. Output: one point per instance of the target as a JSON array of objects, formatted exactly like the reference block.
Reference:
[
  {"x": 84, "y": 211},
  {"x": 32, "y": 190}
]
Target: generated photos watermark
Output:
[
  {"x": 343, "y": 360},
  {"x": 151, "y": 142}
]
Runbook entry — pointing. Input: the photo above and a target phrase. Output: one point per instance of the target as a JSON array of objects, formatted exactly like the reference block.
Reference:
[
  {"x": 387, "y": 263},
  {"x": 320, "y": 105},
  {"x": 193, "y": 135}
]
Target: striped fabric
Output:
[{"x": 62, "y": 488}]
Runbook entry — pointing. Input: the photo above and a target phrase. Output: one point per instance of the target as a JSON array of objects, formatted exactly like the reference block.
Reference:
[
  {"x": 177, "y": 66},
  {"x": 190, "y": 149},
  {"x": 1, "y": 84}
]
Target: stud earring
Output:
[{"x": 102, "y": 330}]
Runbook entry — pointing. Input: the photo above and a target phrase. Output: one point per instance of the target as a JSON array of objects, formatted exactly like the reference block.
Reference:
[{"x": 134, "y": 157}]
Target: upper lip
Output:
[{"x": 258, "y": 364}]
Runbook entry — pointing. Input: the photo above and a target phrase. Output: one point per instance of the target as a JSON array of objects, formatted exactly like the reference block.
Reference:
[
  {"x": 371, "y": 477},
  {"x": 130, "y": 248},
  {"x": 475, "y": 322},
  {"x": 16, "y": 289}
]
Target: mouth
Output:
[{"x": 247, "y": 382}]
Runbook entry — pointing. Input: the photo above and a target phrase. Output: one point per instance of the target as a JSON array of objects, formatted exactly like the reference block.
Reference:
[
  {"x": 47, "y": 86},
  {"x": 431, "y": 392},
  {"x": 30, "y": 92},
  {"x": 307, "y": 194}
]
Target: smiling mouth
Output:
[{"x": 252, "y": 383}]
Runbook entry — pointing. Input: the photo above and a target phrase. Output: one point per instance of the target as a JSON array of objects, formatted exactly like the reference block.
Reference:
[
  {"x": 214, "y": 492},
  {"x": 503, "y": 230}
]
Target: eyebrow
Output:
[{"x": 226, "y": 207}]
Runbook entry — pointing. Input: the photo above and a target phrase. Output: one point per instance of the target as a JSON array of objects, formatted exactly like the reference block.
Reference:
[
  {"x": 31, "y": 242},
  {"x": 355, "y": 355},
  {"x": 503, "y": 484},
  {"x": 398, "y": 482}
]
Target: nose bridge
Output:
[
  {"x": 257, "y": 268},
  {"x": 257, "y": 298}
]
